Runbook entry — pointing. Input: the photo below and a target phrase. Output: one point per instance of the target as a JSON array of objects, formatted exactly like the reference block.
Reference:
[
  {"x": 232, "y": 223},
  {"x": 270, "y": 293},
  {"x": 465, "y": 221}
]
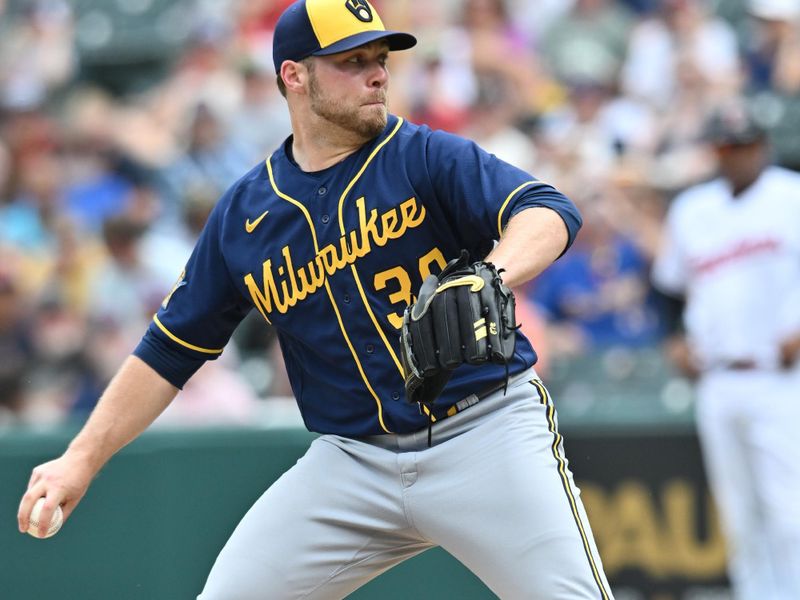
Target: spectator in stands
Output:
[
  {"x": 16, "y": 351},
  {"x": 166, "y": 244},
  {"x": 37, "y": 53},
  {"x": 773, "y": 72},
  {"x": 680, "y": 61},
  {"x": 124, "y": 290},
  {"x": 589, "y": 42},
  {"x": 587, "y": 134},
  {"x": 681, "y": 40},
  {"x": 97, "y": 182},
  {"x": 55, "y": 258},
  {"x": 773, "y": 46},
  {"x": 537, "y": 17},
  {"x": 494, "y": 127},
  {"x": 28, "y": 221},
  {"x": 597, "y": 297},
  {"x": 59, "y": 337},
  {"x": 260, "y": 123},
  {"x": 200, "y": 403},
  {"x": 211, "y": 159}
]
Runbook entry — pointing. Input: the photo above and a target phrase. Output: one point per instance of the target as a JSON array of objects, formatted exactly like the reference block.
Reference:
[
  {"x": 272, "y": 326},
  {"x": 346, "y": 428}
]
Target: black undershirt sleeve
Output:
[{"x": 671, "y": 308}]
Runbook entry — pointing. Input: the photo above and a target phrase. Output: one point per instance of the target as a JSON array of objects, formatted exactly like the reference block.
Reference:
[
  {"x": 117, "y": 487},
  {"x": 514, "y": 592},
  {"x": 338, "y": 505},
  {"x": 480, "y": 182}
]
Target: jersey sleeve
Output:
[
  {"x": 198, "y": 317},
  {"x": 669, "y": 273},
  {"x": 482, "y": 192}
]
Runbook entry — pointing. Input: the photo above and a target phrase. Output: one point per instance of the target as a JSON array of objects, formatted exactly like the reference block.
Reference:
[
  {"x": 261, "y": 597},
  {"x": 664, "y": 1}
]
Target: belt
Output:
[
  {"x": 473, "y": 399},
  {"x": 470, "y": 400}
]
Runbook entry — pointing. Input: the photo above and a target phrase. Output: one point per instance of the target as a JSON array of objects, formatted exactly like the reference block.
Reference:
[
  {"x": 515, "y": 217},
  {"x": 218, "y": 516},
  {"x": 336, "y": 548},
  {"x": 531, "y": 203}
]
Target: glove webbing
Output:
[
  {"x": 508, "y": 327},
  {"x": 502, "y": 303}
]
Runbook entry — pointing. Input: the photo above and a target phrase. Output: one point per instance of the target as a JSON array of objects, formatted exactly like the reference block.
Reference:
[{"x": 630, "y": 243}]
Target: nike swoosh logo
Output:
[{"x": 250, "y": 227}]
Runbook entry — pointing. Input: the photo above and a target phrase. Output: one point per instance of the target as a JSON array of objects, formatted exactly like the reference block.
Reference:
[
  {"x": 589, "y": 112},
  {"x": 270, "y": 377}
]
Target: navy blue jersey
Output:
[{"x": 332, "y": 258}]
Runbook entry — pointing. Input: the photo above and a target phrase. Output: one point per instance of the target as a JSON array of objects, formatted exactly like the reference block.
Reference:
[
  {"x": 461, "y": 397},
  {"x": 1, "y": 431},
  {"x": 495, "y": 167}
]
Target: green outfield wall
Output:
[{"x": 155, "y": 518}]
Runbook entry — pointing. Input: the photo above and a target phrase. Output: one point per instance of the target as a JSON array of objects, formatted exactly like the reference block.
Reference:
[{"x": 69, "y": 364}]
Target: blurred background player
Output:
[{"x": 732, "y": 250}]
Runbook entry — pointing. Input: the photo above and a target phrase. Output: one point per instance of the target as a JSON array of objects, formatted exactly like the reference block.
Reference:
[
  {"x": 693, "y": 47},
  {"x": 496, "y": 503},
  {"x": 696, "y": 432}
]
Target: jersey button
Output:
[
  {"x": 395, "y": 395},
  {"x": 325, "y": 219},
  {"x": 370, "y": 348},
  {"x": 322, "y": 191},
  {"x": 346, "y": 298}
]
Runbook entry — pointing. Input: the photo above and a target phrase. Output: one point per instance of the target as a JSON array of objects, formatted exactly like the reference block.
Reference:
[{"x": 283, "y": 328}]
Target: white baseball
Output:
[{"x": 55, "y": 522}]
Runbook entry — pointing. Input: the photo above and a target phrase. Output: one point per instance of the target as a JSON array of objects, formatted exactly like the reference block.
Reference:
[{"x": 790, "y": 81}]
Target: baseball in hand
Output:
[{"x": 55, "y": 522}]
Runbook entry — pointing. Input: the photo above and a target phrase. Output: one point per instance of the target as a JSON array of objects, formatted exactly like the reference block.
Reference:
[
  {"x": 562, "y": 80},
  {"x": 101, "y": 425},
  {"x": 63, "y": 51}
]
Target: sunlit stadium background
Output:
[{"x": 121, "y": 122}]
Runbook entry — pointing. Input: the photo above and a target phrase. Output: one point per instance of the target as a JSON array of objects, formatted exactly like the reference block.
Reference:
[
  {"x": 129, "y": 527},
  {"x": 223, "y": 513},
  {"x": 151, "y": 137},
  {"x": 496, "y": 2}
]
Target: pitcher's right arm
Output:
[{"x": 135, "y": 397}]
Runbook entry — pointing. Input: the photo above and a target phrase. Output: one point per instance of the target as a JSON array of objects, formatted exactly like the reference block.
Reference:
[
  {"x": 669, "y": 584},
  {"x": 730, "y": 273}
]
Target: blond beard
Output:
[{"x": 346, "y": 117}]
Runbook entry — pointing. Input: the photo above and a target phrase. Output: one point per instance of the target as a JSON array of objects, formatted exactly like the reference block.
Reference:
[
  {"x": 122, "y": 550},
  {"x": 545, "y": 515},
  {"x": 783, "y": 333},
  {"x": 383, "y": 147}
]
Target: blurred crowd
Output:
[{"x": 121, "y": 123}]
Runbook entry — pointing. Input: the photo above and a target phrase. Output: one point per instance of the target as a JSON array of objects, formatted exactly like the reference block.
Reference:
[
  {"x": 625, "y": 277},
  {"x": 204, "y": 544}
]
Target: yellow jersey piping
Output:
[
  {"x": 178, "y": 340},
  {"x": 353, "y": 267},
  {"x": 330, "y": 295},
  {"x": 505, "y": 203}
]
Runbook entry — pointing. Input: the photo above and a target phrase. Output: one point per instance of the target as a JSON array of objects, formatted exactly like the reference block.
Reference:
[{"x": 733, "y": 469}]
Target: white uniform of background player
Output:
[{"x": 732, "y": 249}]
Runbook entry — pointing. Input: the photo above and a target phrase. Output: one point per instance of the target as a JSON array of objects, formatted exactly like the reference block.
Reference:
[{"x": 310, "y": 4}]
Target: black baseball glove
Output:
[{"x": 463, "y": 315}]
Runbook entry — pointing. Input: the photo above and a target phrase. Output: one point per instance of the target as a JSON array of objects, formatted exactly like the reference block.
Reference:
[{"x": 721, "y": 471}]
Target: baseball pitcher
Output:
[{"x": 383, "y": 254}]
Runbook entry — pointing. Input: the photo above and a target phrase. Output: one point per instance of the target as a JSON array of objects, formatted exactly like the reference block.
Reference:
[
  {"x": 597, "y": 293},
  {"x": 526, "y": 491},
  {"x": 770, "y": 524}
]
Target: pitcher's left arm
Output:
[{"x": 532, "y": 240}]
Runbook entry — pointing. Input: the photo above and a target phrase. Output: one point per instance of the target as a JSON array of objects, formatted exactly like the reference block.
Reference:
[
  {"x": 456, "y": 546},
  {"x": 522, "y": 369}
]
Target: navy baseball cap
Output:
[
  {"x": 734, "y": 124},
  {"x": 320, "y": 27}
]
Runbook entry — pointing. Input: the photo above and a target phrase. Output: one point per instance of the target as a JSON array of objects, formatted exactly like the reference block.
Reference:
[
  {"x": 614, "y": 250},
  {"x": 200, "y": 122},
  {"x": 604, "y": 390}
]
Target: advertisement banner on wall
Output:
[{"x": 652, "y": 515}]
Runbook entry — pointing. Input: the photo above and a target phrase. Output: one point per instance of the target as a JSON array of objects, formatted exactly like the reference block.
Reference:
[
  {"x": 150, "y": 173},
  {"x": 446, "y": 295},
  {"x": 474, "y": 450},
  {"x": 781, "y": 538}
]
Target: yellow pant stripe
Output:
[{"x": 562, "y": 471}]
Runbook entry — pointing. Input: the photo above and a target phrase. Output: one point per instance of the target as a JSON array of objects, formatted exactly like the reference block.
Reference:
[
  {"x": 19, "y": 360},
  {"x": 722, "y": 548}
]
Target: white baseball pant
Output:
[
  {"x": 749, "y": 427},
  {"x": 494, "y": 491}
]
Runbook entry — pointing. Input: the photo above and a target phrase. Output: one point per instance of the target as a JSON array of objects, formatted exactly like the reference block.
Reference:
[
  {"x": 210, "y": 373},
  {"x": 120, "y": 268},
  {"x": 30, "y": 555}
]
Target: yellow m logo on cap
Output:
[
  {"x": 333, "y": 21},
  {"x": 361, "y": 10}
]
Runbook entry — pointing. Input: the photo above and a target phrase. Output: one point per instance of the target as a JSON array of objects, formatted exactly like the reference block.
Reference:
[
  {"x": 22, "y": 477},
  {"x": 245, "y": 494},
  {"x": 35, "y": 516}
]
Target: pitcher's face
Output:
[{"x": 349, "y": 88}]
